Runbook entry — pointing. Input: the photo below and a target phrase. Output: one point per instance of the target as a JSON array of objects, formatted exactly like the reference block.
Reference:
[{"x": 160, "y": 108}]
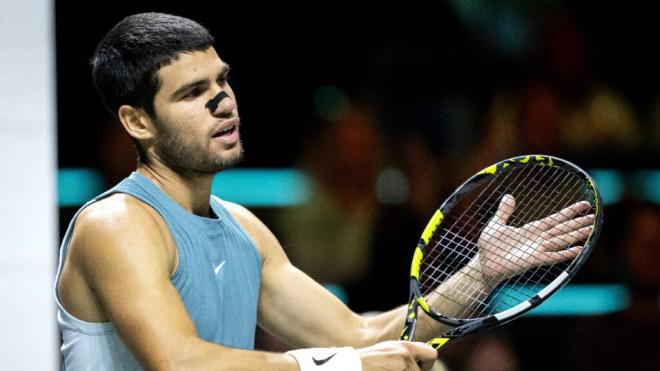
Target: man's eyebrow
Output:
[
  {"x": 187, "y": 87},
  {"x": 223, "y": 72},
  {"x": 225, "y": 69}
]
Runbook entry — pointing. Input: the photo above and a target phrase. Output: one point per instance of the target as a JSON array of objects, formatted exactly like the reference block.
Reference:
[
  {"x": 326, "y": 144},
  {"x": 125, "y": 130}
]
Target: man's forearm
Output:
[
  {"x": 202, "y": 355},
  {"x": 391, "y": 355},
  {"x": 453, "y": 298}
]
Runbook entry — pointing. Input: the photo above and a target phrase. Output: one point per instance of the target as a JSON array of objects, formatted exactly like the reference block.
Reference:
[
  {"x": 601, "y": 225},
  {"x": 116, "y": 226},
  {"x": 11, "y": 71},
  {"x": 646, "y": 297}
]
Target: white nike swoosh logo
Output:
[{"x": 217, "y": 269}]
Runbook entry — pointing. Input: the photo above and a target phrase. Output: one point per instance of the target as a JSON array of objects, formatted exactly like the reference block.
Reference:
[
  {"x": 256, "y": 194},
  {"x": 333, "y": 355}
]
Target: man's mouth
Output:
[
  {"x": 229, "y": 134},
  {"x": 225, "y": 132}
]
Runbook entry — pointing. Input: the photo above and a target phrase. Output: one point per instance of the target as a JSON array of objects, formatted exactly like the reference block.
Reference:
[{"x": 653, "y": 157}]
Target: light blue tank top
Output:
[{"x": 218, "y": 278}]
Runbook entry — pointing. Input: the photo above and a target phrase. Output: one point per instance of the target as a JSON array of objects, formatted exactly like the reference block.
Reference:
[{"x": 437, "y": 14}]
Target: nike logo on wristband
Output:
[{"x": 320, "y": 362}]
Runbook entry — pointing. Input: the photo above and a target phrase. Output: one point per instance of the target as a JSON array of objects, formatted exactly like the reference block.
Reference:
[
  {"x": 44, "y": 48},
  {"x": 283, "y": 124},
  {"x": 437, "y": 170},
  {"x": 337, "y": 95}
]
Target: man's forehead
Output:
[{"x": 190, "y": 66}]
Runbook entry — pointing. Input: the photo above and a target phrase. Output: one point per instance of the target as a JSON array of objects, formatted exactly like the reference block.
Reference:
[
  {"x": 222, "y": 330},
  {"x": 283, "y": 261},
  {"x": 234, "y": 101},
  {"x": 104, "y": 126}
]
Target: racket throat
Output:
[
  {"x": 409, "y": 327},
  {"x": 411, "y": 321}
]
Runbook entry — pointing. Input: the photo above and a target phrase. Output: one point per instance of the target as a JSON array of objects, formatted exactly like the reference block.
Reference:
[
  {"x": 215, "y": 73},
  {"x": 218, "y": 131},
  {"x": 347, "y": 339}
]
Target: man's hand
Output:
[
  {"x": 505, "y": 251},
  {"x": 398, "y": 356}
]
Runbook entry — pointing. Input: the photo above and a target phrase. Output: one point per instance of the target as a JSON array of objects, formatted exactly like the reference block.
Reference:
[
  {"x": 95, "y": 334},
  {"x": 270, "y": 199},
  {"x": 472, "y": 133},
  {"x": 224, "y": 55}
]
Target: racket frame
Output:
[{"x": 464, "y": 327}]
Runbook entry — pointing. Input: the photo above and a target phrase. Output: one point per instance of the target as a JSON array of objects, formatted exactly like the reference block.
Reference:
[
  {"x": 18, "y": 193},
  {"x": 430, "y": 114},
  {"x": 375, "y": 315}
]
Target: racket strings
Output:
[
  {"x": 517, "y": 288},
  {"x": 525, "y": 218},
  {"x": 573, "y": 194},
  {"x": 548, "y": 205},
  {"x": 456, "y": 235},
  {"x": 472, "y": 248},
  {"x": 546, "y": 271},
  {"x": 470, "y": 218},
  {"x": 480, "y": 207},
  {"x": 480, "y": 292},
  {"x": 530, "y": 186}
]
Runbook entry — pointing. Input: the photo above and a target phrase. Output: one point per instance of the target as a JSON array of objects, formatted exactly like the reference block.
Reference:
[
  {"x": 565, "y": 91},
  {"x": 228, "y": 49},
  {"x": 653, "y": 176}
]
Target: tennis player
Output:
[{"x": 156, "y": 273}]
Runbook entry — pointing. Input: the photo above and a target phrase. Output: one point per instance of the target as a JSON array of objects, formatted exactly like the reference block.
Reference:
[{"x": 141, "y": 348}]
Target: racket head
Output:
[{"x": 449, "y": 241}]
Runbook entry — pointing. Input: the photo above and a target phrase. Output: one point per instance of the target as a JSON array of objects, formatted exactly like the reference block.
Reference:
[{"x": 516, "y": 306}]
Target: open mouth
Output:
[
  {"x": 223, "y": 133},
  {"x": 228, "y": 136}
]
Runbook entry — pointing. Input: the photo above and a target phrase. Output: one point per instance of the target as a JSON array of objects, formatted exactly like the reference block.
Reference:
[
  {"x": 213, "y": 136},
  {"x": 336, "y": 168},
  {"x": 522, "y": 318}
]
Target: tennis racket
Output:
[{"x": 505, "y": 241}]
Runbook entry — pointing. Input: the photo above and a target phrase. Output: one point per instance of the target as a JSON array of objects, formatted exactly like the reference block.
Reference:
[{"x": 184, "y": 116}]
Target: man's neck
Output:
[{"x": 190, "y": 192}]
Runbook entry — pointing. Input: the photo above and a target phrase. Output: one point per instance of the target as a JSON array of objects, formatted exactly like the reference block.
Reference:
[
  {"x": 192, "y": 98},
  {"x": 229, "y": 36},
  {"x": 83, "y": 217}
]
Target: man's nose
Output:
[{"x": 222, "y": 100}]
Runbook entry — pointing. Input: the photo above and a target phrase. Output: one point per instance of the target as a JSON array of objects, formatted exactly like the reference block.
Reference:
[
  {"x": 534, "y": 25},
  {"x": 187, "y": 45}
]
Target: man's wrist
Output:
[
  {"x": 327, "y": 359},
  {"x": 475, "y": 271}
]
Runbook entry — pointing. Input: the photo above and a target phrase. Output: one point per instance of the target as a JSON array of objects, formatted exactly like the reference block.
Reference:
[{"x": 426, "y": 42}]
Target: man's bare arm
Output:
[
  {"x": 315, "y": 318},
  {"x": 543, "y": 241},
  {"x": 119, "y": 249},
  {"x": 300, "y": 311}
]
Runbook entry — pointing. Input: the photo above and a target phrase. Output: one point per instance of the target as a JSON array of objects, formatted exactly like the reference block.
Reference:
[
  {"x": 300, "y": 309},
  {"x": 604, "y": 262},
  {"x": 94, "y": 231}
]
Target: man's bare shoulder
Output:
[
  {"x": 255, "y": 228},
  {"x": 118, "y": 222},
  {"x": 116, "y": 211},
  {"x": 240, "y": 213}
]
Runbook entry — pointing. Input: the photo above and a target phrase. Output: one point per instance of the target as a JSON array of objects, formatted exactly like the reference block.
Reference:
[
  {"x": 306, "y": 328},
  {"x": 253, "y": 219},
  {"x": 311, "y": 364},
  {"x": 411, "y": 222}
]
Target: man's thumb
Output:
[{"x": 504, "y": 211}]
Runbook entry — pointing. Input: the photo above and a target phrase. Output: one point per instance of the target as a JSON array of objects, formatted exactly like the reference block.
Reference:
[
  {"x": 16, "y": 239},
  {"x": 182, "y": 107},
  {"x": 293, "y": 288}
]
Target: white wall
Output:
[{"x": 28, "y": 213}]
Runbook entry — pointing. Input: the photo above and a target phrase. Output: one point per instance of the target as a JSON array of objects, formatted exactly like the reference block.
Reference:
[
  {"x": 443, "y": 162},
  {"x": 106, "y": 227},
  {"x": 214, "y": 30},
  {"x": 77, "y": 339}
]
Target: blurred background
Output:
[{"x": 357, "y": 124}]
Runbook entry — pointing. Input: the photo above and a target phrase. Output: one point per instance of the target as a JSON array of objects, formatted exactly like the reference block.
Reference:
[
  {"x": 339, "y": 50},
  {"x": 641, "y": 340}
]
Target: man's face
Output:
[{"x": 190, "y": 138}]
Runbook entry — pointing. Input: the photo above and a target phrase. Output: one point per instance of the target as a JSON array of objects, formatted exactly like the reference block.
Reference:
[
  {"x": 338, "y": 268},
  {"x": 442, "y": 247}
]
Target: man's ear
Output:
[{"x": 136, "y": 122}]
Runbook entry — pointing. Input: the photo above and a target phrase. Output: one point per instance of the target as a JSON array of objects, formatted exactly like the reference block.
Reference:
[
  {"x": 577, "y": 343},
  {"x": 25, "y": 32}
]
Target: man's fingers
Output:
[
  {"x": 560, "y": 256},
  {"x": 426, "y": 366},
  {"x": 563, "y": 215},
  {"x": 505, "y": 209},
  {"x": 569, "y": 226},
  {"x": 424, "y": 354},
  {"x": 560, "y": 242},
  {"x": 397, "y": 355},
  {"x": 439, "y": 366}
]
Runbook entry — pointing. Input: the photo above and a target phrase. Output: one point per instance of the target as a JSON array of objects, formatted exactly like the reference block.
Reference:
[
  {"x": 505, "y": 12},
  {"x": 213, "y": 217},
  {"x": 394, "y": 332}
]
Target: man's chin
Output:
[{"x": 231, "y": 159}]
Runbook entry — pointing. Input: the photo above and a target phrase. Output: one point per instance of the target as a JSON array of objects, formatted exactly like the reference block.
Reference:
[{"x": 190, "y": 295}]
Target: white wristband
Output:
[{"x": 327, "y": 359}]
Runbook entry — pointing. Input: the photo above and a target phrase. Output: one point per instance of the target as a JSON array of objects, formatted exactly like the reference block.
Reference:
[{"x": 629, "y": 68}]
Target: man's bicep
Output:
[
  {"x": 292, "y": 305},
  {"x": 300, "y": 310},
  {"x": 125, "y": 264}
]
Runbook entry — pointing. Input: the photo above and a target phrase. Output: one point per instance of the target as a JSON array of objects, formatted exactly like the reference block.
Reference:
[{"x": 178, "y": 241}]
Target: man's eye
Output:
[
  {"x": 193, "y": 94},
  {"x": 223, "y": 80}
]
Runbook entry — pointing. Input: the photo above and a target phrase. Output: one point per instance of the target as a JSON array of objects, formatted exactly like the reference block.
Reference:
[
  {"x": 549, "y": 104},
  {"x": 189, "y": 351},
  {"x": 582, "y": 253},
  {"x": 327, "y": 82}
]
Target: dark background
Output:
[
  {"x": 280, "y": 56},
  {"x": 434, "y": 71}
]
